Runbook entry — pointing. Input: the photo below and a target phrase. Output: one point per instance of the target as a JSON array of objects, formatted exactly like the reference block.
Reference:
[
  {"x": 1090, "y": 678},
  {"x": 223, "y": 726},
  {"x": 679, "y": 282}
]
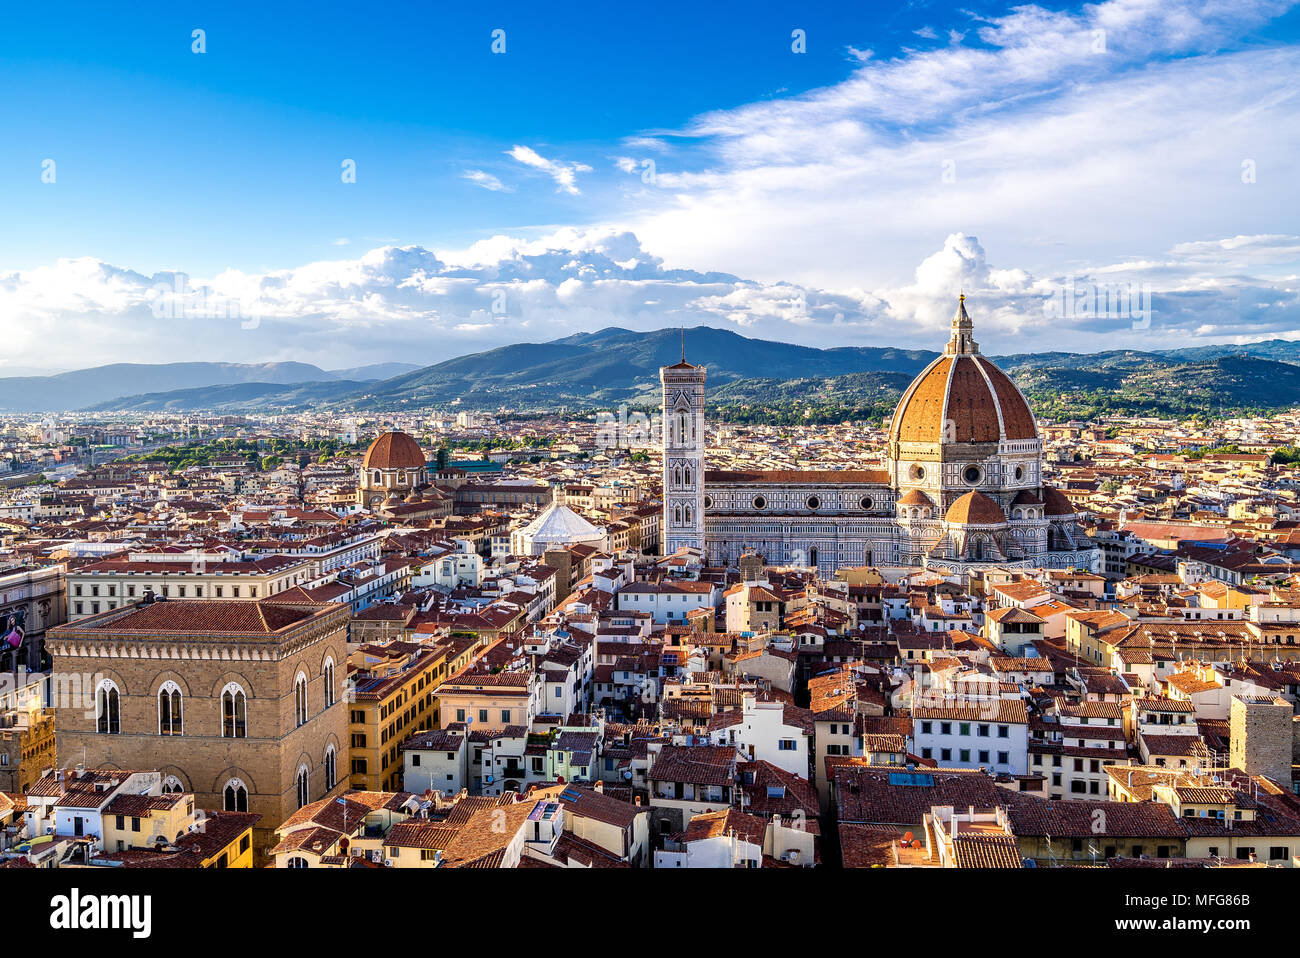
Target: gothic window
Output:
[
  {"x": 172, "y": 786},
  {"x": 677, "y": 515},
  {"x": 234, "y": 797},
  {"x": 108, "y": 709},
  {"x": 303, "y": 796},
  {"x": 686, "y": 512},
  {"x": 328, "y": 673},
  {"x": 300, "y": 698},
  {"x": 169, "y": 709},
  {"x": 234, "y": 712},
  {"x": 330, "y": 768},
  {"x": 686, "y": 475}
]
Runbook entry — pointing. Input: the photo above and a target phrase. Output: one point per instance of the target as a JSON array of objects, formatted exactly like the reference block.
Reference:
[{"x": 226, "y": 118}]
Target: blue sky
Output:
[{"x": 834, "y": 196}]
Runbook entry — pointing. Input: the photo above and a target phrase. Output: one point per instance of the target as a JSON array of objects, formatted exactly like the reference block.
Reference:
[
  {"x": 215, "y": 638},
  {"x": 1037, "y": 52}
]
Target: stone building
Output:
[
  {"x": 961, "y": 486},
  {"x": 394, "y": 466},
  {"x": 1261, "y": 736},
  {"x": 239, "y": 702}
]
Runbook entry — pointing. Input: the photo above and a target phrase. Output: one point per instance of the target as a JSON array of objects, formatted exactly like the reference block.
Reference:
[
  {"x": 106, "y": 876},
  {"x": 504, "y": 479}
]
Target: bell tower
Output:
[{"x": 683, "y": 445}]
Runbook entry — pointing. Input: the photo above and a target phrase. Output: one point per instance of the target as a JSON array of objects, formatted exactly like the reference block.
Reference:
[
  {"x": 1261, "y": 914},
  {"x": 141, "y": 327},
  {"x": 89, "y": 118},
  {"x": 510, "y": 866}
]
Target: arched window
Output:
[
  {"x": 686, "y": 475},
  {"x": 686, "y": 514},
  {"x": 172, "y": 786},
  {"x": 374, "y": 477},
  {"x": 330, "y": 768},
  {"x": 234, "y": 797},
  {"x": 169, "y": 709},
  {"x": 296, "y": 862},
  {"x": 677, "y": 515},
  {"x": 108, "y": 709},
  {"x": 234, "y": 712},
  {"x": 303, "y": 797},
  {"x": 328, "y": 673},
  {"x": 300, "y": 698}
]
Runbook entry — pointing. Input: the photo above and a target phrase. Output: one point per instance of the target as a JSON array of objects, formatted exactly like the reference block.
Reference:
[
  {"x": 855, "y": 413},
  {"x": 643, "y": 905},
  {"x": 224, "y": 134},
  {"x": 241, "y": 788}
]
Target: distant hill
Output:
[
  {"x": 614, "y": 365},
  {"x": 748, "y": 379},
  {"x": 374, "y": 371},
  {"x": 234, "y": 397},
  {"x": 92, "y": 387}
]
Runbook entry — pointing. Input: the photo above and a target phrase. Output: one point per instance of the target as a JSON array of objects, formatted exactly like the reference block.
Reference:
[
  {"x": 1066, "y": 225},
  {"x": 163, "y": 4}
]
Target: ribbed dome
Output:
[
  {"x": 394, "y": 450},
  {"x": 975, "y": 508},
  {"x": 963, "y": 388}
]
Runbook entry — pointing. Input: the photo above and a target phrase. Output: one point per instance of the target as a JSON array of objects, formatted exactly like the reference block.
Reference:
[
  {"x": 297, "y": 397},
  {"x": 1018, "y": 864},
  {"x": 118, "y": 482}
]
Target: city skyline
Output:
[{"x": 835, "y": 196}]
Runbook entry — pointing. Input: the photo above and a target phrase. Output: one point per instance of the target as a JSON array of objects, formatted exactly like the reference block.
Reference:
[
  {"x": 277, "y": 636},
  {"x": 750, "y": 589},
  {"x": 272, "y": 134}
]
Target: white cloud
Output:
[
  {"x": 486, "y": 180},
  {"x": 424, "y": 306},
  {"x": 565, "y": 175},
  {"x": 1059, "y": 154}
]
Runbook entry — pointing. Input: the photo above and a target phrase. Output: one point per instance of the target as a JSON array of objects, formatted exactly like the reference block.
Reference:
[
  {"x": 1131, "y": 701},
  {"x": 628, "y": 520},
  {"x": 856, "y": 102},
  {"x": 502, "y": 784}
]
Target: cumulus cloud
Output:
[{"x": 424, "y": 306}]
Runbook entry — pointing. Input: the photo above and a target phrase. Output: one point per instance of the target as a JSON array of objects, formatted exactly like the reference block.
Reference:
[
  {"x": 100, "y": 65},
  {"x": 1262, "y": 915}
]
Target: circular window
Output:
[
  {"x": 814, "y": 502},
  {"x": 1020, "y": 473},
  {"x": 760, "y": 502},
  {"x": 972, "y": 474},
  {"x": 918, "y": 472},
  {"x": 866, "y": 502},
  {"x": 708, "y": 502}
]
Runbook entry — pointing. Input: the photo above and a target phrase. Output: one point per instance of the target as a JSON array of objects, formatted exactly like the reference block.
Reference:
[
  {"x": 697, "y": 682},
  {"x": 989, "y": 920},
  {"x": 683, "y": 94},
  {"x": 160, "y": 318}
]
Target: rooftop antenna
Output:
[{"x": 683, "y": 343}]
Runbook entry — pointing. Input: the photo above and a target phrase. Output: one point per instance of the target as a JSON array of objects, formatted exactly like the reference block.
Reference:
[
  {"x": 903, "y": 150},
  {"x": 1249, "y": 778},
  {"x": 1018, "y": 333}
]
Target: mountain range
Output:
[
  {"x": 747, "y": 377},
  {"x": 82, "y": 388}
]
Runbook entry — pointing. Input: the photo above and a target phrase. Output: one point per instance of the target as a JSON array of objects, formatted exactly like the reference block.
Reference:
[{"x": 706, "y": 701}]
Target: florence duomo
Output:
[{"x": 961, "y": 486}]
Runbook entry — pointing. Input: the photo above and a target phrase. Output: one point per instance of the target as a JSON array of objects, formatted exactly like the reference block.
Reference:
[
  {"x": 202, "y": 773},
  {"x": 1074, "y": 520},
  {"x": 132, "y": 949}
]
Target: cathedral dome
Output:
[
  {"x": 915, "y": 498},
  {"x": 962, "y": 397},
  {"x": 1057, "y": 503},
  {"x": 975, "y": 509},
  {"x": 394, "y": 450}
]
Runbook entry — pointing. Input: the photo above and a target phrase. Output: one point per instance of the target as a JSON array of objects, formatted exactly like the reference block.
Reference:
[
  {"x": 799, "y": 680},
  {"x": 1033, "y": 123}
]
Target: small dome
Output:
[
  {"x": 916, "y": 498},
  {"x": 975, "y": 509},
  {"x": 394, "y": 450},
  {"x": 1026, "y": 498},
  {"x": 1057, "y": 503}
]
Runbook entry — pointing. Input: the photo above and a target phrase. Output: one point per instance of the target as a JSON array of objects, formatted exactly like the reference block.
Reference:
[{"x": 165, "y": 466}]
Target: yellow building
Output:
[{"x": 392, "y": 697}]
